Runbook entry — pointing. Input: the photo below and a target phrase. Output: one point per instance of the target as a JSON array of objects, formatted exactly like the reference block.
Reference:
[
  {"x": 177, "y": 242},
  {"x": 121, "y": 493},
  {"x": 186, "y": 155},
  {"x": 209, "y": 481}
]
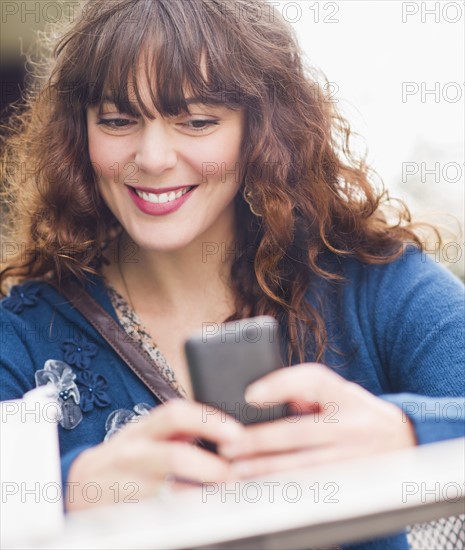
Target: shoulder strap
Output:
[{"x": 119, "y": 340}]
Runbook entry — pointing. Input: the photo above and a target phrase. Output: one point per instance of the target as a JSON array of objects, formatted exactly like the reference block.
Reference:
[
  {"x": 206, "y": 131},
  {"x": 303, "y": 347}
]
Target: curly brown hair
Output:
[{"x": 304, "y": 193}]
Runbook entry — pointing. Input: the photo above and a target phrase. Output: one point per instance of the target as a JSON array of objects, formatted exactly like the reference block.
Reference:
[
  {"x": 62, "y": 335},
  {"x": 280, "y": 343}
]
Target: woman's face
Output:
[{"x": 169, "y": 181}]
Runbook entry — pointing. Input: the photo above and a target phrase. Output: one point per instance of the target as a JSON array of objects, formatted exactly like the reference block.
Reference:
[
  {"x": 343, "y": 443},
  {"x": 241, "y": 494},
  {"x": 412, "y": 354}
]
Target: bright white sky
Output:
[{"x": 369, "y": 52}]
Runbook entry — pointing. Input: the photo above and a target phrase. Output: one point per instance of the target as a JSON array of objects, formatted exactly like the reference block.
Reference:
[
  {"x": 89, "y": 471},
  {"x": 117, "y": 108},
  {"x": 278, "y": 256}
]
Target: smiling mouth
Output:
[{"x": 161, "y": 198}]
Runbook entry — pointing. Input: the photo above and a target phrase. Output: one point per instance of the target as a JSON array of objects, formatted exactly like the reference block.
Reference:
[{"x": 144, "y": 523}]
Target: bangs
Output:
[{"x": 171, "y": 49}]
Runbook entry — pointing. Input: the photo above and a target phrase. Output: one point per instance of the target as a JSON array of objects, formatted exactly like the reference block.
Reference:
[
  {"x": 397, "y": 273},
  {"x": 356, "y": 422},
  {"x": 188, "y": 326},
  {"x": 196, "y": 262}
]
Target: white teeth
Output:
[{"x": 163, "y": 197}]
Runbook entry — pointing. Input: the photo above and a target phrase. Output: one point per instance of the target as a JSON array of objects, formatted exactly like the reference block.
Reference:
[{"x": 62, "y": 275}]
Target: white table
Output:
[{"x": 339, "y": 503}]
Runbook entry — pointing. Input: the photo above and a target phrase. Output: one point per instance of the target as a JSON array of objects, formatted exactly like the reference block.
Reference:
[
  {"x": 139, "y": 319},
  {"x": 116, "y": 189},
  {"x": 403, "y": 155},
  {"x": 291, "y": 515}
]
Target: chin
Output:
[{"x": 161, "y": 245}]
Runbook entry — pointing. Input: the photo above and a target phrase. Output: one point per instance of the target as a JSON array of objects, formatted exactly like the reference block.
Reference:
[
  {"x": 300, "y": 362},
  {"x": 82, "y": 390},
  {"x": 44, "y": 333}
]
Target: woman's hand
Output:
[
  {"x": 135, "y": 462},
  {"x": 339, "y": 420}
]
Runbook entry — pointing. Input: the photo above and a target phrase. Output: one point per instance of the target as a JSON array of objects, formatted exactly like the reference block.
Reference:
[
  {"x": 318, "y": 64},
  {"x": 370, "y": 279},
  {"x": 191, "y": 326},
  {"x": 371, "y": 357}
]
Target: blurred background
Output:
[{"x": 396, "y": 70}]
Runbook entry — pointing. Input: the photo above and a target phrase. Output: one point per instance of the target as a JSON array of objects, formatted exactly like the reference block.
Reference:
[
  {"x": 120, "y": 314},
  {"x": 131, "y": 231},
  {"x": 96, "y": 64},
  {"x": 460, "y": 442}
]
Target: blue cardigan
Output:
[{"x": 400, "y": 326}]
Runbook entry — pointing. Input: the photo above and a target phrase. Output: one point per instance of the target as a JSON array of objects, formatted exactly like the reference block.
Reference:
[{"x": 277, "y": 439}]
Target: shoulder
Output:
[
  {"x": 414, "y": 271},
  {"x": 413, "y": 289},
  {"x": 33, "y": 299},
  {"x": 40, "y": 314},
  {"x": 410, "y": 296},
  {"x": 27, "y": 304},
  {"x": 22, "y": 297},
  {"x": 32, "y": 304},
  {"x": 408, "y": 284},
  {"x": 405, "y": 319},
  {"x": 413, "y": 309}
]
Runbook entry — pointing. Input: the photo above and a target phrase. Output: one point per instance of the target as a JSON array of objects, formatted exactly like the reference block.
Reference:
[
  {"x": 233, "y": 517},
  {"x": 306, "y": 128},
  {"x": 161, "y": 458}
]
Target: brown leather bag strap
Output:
[{"x": 119, "y": 340}]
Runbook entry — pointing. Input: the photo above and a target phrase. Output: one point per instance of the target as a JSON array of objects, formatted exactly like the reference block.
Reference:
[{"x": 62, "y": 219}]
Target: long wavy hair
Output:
[{"x": 304, "y": 193}]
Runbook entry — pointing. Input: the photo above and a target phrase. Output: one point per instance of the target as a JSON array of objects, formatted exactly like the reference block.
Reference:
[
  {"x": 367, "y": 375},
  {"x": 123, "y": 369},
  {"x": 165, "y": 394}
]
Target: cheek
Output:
[
  {"x": 107, "y": 159},
  {"x": 229, "y": 146},
  {"x": 217, "y": 157}
]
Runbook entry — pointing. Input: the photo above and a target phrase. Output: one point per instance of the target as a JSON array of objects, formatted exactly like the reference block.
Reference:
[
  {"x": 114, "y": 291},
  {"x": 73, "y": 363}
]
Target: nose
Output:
[{"x": 156, "y": 149}]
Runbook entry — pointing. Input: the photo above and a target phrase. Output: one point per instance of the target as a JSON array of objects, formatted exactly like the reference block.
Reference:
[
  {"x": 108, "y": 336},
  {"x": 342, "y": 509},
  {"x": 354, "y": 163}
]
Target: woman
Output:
[{"x": 182, "y": 168}]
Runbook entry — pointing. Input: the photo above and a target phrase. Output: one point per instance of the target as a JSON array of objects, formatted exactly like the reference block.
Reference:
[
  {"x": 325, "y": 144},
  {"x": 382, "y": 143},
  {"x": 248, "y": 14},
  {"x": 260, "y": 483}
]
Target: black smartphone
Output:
[{"x": 225, "y": 358}]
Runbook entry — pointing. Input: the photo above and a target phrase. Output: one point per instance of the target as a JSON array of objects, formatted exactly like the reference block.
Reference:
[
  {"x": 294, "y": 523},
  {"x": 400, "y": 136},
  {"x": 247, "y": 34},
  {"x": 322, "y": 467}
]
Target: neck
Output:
[{"x": 189, "y": 282}]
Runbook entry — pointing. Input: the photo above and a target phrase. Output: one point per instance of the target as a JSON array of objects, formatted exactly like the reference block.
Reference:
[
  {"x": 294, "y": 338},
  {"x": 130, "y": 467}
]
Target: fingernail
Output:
[
  {"x": 229, "y": 450},
  {"x": 241, "y": 469},
  {"x": 255, "y": 391},
  {"x": 232, "y": 429}
]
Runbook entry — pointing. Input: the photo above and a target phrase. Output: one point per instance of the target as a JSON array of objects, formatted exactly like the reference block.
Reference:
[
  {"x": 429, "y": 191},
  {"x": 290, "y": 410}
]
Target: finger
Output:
[
  {"x": 190, "y": 463},
  {"x": 305, "y": 385},
  {"x": 158, "y": 460},
  {"x": 179, "y": 419},
  {"x": 264, "y": 465},
  {"x": 282, "y": 435}
]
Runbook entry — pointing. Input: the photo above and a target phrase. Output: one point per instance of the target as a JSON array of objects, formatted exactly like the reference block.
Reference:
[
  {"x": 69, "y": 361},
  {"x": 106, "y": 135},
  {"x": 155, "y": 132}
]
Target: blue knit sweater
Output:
[{"x": 400, "y": 328}]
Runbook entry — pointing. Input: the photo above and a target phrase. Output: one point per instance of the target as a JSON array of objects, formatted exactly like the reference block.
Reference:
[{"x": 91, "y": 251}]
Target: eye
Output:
[
  {"x": 116, "y": 123},
  {"x": 199, "y": 125}
]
